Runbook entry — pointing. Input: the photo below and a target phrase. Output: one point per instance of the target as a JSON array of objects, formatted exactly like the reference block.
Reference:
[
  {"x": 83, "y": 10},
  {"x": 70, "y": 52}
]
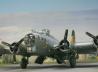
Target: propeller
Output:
[
  {"x": 66, "y": 35},
  {"x": 72, "y": 41},
  {"x": 13, "y": 47},
  {"x": 64, "y": 43},
  {"x": 95, "y": 38},
  {"x": 5, "y": 43}
]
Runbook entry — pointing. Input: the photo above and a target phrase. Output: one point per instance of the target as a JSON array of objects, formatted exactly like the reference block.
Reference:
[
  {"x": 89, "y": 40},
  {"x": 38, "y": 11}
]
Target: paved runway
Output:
[{"x": 81, "y": 67}]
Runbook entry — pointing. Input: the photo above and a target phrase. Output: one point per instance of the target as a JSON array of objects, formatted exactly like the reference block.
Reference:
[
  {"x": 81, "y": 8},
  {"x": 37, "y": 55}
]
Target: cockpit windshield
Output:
[{"x": 29, "y": 40}]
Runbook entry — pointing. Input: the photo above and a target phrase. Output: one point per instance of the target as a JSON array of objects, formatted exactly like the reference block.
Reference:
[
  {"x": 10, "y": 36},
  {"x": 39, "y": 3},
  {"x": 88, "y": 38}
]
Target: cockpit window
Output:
[{"x": 29, "y": 40}]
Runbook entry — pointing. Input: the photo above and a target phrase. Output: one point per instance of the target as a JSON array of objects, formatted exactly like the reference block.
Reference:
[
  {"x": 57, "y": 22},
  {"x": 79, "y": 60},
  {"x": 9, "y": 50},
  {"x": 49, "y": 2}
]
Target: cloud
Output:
[
  {"x": 13, "y": 29},
  {"x": 14, "y": 26},
  {"x": 9, "y": 29},
  {"x": 13, "y": 33}
]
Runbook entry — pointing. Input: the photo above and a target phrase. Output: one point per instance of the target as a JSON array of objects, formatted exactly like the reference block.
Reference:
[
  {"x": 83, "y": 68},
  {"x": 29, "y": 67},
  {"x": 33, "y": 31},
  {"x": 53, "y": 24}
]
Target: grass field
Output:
[{"x": 48, "y": 60}]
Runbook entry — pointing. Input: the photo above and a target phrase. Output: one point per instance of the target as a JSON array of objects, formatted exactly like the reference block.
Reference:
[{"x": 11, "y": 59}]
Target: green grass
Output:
[
  {"x": 2, "y": 65},
  {"x": 47, "y": 61}
]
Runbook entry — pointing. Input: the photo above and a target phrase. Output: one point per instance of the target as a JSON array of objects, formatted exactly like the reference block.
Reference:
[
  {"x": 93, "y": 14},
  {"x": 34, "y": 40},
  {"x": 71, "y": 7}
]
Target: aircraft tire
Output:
[
  {"x": 24, "y": 63},
  {"x": 72, "y": 62},
  {"x": 40, "y": 59}
]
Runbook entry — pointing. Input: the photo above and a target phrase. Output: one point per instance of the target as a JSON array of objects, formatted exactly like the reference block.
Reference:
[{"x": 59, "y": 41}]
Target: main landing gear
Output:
[
  {"x": 72, "y": 59},
  {"x": 72, "y": 62},
  {"x": 24, "y": 62}
]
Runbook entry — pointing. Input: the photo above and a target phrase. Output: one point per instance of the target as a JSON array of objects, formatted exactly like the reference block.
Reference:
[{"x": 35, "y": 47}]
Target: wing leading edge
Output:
[
  {"x": 4, "y": 51},
  {"x": 85, "y": 48}
]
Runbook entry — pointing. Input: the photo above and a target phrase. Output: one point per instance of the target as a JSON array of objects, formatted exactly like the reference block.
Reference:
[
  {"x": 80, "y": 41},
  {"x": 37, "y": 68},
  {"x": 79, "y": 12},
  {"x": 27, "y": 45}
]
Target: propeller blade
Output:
[
  {"x": 5, "y": 43},
  {"x": 19, "y": 42},
  {"x": 15, "y": 45},
  {"x": 90, "y": 35},
  {"x": 66, "y": 35},
  {"x": 95, "y": 38},
  {"x": 72, "y": 37},
  {"x": 73, "y": 33}
]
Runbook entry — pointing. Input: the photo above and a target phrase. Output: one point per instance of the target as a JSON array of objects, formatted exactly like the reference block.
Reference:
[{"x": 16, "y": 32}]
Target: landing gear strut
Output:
[{"x": 24, "y": 63}]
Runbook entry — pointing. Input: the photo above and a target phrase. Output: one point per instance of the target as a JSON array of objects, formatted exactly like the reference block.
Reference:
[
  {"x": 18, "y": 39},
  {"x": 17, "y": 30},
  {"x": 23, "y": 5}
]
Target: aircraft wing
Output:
[
  {"x": 4, "y": 51},
  {"x": 85, "y": 48}
]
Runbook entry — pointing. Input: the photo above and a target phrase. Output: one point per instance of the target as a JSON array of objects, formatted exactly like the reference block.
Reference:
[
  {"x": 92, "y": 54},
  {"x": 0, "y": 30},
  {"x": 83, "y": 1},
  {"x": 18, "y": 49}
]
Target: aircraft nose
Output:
[{"x": 29, "y": 39}]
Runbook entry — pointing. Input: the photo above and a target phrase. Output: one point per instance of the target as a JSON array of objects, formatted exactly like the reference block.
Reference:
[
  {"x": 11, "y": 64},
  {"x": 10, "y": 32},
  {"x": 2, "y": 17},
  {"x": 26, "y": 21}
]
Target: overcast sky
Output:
[{"x": 18, "y": 17}]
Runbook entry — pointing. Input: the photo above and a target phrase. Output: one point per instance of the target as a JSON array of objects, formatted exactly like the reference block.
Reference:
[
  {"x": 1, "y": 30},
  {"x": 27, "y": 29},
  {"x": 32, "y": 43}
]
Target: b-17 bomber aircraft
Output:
[{"x": 43, "y": 45}]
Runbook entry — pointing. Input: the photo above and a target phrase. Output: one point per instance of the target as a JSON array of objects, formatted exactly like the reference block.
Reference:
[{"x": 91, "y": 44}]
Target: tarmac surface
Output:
[{"x": 81, "y": 67}]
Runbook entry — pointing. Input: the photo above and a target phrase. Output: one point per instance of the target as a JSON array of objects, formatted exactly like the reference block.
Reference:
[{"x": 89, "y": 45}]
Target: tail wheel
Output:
[
  {"x": 24, "y": 63},
  {"x": 40, "y": 59}
]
